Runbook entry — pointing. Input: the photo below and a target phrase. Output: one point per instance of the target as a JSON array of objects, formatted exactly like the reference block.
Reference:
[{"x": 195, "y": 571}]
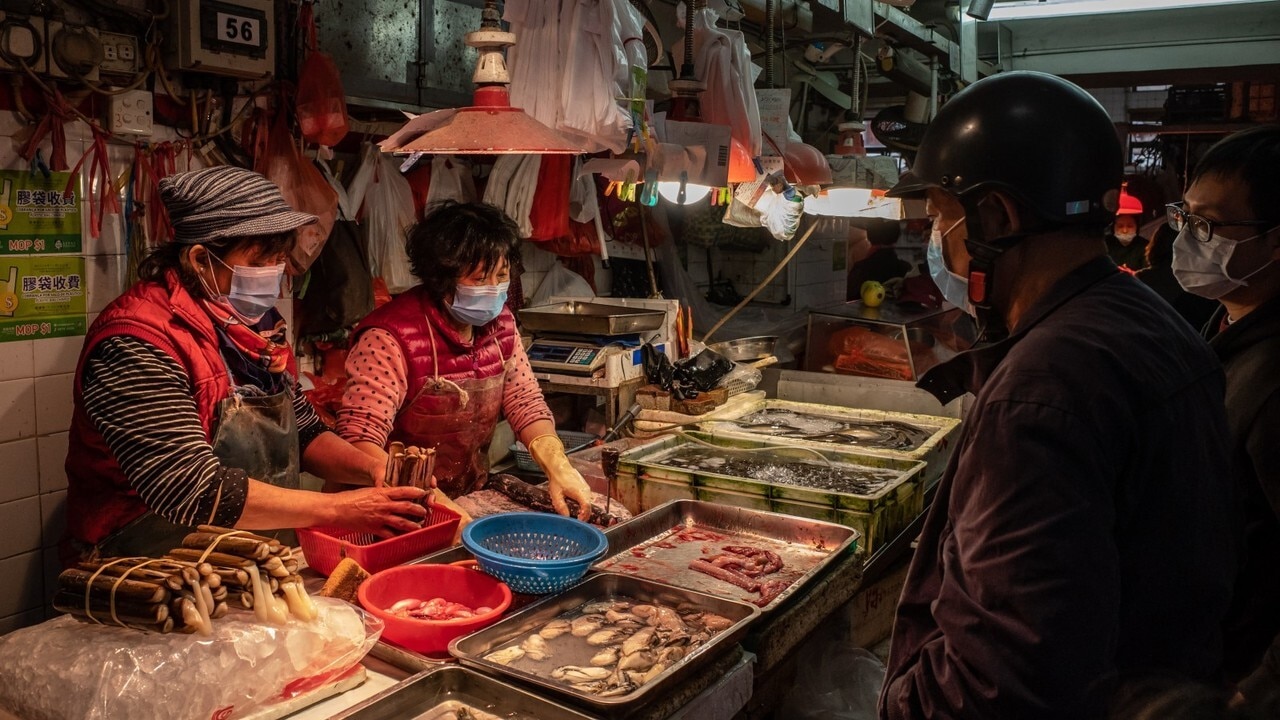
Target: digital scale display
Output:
[{"x": 565, "y": 357}]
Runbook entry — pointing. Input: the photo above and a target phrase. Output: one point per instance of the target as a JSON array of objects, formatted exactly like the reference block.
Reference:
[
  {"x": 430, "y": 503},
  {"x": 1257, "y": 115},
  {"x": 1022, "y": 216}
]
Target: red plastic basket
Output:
[{"x": 324, "y": 548}]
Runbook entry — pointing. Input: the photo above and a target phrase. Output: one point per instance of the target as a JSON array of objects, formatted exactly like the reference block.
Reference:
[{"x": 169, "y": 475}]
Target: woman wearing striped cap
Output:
[{"x": 187, "y": 406}]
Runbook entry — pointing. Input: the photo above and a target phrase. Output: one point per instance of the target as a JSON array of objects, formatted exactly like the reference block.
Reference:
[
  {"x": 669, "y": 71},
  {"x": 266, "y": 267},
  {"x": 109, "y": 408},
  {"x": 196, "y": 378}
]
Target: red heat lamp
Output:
[{"x": 490, "y": 126}]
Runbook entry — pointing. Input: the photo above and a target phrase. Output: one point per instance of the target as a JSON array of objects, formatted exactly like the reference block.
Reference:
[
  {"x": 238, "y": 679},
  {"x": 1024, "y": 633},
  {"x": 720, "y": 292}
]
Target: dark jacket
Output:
[
  {"x": 1132, "y": 256},
  {"x": 1250, "y": 354},
  {"x": 1080, "y": 530}
]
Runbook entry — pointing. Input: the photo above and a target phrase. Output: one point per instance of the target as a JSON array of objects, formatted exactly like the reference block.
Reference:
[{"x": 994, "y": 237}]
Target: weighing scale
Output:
[{"x": 580, "y": 356}]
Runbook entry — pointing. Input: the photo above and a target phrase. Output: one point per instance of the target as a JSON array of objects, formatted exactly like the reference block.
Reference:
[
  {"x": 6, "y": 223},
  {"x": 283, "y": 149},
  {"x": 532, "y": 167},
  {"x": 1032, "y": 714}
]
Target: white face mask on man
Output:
[
  {"x": 1201, "y": 267},
  {"x": 954, "y": 287}
]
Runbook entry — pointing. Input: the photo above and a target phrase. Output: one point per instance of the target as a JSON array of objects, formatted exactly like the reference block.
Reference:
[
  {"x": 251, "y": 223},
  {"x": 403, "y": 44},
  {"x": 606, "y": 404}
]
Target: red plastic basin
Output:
[{"x": 454, "y": 583}]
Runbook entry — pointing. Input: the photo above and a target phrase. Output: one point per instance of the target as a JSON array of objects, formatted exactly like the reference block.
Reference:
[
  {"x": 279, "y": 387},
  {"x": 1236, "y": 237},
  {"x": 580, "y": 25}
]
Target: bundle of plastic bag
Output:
[
  {"x": 321, "y": 104},
  {"x": 303, "y": 187},
  {"x": 65, "y": 668},
  {"x": 723, "y": 61},
  {"x": 388, "y": 212},
  {"x": 450, "y": 180}
]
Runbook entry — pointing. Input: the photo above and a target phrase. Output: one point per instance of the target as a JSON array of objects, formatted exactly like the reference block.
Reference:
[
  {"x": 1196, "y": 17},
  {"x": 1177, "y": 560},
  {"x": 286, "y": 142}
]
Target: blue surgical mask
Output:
[
  {"x": 478, "y": 304},
  {"x": 254, "y": 290},
  {"x": 955, "y": 288}
]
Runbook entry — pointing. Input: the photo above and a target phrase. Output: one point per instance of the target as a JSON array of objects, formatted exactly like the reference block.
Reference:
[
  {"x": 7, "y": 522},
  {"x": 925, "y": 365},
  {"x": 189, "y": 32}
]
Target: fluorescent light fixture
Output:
[
  {"x": 1061, "y": 8},
  {"x": 670, "y": 191},
  {"x": 853, "y": 202}
]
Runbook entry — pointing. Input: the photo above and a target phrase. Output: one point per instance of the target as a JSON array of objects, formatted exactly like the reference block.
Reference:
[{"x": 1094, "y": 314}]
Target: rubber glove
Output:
[{"x": 564, "y": 480}]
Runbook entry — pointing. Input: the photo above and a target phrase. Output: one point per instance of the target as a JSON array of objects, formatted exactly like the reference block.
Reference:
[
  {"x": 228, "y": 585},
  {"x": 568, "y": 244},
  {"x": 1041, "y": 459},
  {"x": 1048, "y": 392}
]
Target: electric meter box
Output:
[
  {"x": 234, "y": 38},
  {"x": 897, "y": 342}
]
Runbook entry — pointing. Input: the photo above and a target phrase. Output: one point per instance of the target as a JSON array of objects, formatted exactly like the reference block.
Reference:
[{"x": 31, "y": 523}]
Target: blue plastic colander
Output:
[{"x": 534, "y": 553}]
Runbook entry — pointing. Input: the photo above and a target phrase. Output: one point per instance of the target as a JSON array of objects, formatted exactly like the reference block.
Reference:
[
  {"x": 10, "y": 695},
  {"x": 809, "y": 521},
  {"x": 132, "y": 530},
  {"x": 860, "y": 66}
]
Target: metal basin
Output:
[{"x": 748, "y": 349}]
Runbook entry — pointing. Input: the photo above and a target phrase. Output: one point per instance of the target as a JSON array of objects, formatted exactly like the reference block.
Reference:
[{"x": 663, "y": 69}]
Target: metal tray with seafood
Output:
[
  {"x": 666, "y": 542},
  {"x": 609, "y": 641},
  {"x": 873, "y": 432},
  {"x": 457, "y": 693}
]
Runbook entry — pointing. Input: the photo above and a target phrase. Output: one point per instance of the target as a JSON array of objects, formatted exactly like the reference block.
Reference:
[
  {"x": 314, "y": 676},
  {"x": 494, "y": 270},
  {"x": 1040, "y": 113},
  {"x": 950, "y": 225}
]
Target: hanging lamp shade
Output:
[{"x": 490, "y": 126}]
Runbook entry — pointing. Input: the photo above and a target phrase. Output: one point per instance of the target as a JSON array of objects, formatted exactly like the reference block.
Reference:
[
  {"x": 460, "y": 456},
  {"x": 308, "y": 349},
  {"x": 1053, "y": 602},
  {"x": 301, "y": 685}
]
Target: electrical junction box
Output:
[
  {"x": 131, "y": 113},
  {"x": 22, "y": 38},
  {"x": 235, "y": 37},
  {"x": 74, "y": 51},
  {"x": 119, "y": 54}
]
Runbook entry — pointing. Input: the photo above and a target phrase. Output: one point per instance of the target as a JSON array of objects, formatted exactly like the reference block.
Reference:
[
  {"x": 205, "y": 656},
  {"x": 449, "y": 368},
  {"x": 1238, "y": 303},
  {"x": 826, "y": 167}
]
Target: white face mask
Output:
[
  {"x": 1201, "y": 268},
  {"x": 954, "y": 287},
  {"x": 1125, "y": 237},
  {"x": 254, "y": 290}
]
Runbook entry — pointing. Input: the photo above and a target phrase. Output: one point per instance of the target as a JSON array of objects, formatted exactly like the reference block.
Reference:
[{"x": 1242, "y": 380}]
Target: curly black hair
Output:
[{"x": 454, "y": 239}]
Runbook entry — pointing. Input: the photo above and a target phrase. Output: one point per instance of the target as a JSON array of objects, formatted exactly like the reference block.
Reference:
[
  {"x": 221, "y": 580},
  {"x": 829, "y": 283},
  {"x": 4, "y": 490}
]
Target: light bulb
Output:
[{"x": 670, "y": 191}]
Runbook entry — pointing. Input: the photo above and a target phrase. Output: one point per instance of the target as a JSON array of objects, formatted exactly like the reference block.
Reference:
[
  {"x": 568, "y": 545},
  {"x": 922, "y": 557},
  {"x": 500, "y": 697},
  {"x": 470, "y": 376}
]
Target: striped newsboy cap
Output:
[{"x": 226, "y": 202}]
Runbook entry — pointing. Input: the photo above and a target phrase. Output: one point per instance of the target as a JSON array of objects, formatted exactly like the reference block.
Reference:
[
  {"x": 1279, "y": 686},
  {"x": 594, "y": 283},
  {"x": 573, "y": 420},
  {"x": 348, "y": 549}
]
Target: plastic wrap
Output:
[{"x": 65, "y": 668}]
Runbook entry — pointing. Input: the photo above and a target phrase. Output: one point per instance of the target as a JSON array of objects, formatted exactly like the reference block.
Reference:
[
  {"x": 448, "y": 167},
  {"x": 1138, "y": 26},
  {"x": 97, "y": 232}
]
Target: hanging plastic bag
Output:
[
  {"x": 388, "y": 215},
  {"x": 321, "y": 102},
  {"x": 549, "y": 211},
  {"x": 450, "y": 180},
  {"x": 560, "y": 281},
  {"x": 340, "y": 290},
  {"x": 304, "y": 188},
  {"x": 842, "y": 682}
]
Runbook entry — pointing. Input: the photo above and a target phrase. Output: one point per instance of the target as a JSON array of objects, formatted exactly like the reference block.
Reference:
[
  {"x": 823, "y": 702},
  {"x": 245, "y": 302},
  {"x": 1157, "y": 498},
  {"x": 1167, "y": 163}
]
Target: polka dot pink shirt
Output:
[{"x": 378, "y": 381}]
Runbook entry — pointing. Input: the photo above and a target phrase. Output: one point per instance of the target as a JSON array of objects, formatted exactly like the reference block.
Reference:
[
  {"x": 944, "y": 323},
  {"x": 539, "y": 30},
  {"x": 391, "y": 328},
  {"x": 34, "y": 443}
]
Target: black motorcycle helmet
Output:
[{"x": 1039, "y": 138}]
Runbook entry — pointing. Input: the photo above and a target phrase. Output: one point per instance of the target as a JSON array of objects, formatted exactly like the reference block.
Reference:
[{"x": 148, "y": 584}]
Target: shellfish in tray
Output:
[{"x": 610, "y": 648}]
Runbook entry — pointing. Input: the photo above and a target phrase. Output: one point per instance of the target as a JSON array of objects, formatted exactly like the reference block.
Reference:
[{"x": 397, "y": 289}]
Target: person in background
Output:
[
  {"x": 1125, "y": 246},
  {"x": 881, "y": 263},
  {"x": 187, "y": 408},
  {"x": 1227, "y": 249},
  {"x": 1158, "y": 275},
  {"x": 439, "y": 364},
  {"x": 1044, "y": 571}
]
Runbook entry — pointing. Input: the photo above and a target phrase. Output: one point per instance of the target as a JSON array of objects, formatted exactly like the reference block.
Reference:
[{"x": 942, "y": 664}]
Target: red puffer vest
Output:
[
  {"x": 406, "y": 319},
  {"x": 99, "y": 498}
]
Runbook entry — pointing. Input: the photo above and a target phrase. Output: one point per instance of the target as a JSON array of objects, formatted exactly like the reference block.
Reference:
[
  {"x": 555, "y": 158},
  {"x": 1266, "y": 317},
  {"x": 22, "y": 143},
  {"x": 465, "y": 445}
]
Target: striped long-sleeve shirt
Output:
[{"x": 140, "y": 399}]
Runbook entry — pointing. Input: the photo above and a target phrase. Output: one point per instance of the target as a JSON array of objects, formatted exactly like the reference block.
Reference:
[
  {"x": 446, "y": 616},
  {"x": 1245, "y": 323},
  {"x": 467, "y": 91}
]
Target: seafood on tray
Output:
[
  {"x": 436, "y": 608},
  {"x": 610, "y": 648},
  {"x": 746, "y": 567}
]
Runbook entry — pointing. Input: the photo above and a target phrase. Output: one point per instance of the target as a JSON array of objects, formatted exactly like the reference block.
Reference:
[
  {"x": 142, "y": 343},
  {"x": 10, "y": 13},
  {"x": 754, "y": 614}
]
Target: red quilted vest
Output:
[
  {"x": 99, "y": 499},
  {"x": 406, "y": 318}
]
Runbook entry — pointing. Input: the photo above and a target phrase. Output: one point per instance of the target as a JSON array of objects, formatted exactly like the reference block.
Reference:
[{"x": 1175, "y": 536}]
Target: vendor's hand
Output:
[
  {"x": 569, "y": 484},
  {"x": 383, "y": 511},
  {"x": 563, "y": 480}
]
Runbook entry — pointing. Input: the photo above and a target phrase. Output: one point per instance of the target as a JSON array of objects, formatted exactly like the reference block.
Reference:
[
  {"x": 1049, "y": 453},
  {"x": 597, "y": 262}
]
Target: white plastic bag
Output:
[
  {"x": 388, "y": 215},
  {"x": 560, "y": 281},
  {"x": 450, "y": 180},
  {"x": 841, "y": 682},
  {"x": 65, "y": 668}
]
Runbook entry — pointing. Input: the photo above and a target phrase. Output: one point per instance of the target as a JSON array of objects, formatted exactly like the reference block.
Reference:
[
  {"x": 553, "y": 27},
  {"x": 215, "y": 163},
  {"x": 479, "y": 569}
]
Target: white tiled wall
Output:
[{"x": 35, "y": 412}]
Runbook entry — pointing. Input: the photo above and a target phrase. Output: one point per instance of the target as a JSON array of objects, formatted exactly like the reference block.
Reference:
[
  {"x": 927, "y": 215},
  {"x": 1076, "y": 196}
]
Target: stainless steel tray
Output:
[
  {"x": 584, "y": 318},
  {"x": 437, "y": 694},
  {"x": 471, "y": 649},
  {"x": 643, "y": 546}
]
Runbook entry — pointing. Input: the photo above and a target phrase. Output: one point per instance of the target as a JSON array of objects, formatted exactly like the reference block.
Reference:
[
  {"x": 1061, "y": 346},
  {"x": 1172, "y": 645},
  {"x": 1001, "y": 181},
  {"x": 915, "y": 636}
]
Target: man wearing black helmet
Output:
[{"x": 1079, "y": 533}]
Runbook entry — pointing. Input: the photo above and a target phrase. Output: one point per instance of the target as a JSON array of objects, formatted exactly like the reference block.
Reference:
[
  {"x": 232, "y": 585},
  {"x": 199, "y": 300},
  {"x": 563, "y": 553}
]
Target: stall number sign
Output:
[{"x": 238, "y": 29}]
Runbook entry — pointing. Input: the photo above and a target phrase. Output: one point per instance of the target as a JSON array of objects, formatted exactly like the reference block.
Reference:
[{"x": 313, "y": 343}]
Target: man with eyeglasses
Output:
[{"x": 1227, "y": 247}]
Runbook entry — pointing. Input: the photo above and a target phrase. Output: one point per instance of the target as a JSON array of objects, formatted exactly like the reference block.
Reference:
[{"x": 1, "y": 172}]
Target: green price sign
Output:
[
  {"x": 41, "y": 297},
  {"x": 38, "y": 215}
]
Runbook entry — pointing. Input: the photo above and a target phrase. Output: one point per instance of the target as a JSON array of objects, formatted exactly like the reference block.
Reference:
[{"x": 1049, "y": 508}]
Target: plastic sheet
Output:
[
  {"x": 841, "y": 682},
  {"x": 64, "y": 668}
]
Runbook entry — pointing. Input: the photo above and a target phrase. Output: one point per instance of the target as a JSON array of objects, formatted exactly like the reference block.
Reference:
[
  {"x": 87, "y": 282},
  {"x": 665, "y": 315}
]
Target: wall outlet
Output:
[
  {"x": 119, "y": 54},
  {"x": 68, "y": 44},
  {"x": 131, "y": 113},
  {"x": 24, "y": 37}
]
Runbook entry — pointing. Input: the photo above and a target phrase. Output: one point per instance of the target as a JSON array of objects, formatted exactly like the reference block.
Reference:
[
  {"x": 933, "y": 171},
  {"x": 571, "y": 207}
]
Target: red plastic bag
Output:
[
  {"x": 321, "y": 103},
  {"x": 549, "y": 215},
  {"x": 304, "y": 188}
]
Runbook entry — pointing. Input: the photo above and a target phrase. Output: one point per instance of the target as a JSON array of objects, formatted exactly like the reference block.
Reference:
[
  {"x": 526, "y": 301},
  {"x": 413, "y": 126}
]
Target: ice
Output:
[{"x": 64, "y": 668}]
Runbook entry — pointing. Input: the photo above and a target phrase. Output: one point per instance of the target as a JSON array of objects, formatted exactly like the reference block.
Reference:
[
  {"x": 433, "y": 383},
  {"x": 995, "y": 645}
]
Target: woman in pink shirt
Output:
[{"x": 438, "y": 366}]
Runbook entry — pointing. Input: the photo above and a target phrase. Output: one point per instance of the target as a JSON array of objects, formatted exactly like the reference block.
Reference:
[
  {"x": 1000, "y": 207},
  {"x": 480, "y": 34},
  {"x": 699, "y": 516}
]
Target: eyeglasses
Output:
[{"x": 1201, "y": 227}]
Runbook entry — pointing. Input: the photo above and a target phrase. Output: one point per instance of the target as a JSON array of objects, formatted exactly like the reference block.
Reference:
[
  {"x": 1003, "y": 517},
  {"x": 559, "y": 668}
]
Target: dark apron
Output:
[
  {"x": 255, "y": 433},
  {"x": 458, "y": 420}
]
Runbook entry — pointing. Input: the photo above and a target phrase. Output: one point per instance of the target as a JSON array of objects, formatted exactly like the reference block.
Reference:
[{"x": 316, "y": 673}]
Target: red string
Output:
[
  {"x": 53, "y": 123},
  {"x": 99, "y": 166}
]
